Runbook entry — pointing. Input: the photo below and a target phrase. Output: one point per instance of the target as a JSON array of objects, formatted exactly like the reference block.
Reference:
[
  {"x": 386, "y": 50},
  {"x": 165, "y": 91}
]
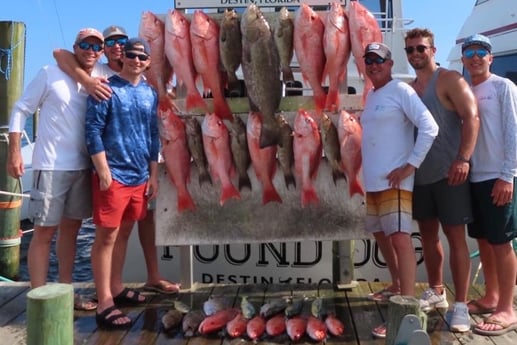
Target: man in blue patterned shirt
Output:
[{"x": 123, "y": 141}]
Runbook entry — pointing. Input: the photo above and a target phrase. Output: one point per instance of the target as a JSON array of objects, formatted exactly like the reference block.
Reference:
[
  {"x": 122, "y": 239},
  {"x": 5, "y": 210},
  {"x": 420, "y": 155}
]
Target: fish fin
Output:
[
  {"x": 269, "y": 134},
  {"x": 185, "y": 202},
  {"x": 309, "y": 196},
  {"x": 222, "y": 109},
  {"x": 270, "y": 195},
  {"x": 195, "y": 102},
  {"x": 332, "y": 101},
  {"x": 229, "y": 192},
  {"x": 355, "y": 187}
]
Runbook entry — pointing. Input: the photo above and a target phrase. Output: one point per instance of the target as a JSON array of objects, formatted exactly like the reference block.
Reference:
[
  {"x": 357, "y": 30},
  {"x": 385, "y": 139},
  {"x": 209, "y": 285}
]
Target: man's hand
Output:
[
  {"x": 399, "y": 174},
  {"x": 458, "y": 172},
  {"x": 98, "y": 88},
  {"x": 15, "y": 166},
  {"x": 502, "y": 193}
]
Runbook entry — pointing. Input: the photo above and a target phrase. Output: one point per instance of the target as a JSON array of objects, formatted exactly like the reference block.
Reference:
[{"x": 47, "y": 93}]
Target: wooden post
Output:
[
  {"x": 398, "y": 307},
  {"x": 50, "y": 315},
  {"x": 12, "y": 55}
]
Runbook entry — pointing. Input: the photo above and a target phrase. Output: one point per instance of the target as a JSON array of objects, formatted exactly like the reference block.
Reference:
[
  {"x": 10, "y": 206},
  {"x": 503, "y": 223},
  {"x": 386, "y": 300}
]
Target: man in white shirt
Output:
[{"x": 60, "y": 194}]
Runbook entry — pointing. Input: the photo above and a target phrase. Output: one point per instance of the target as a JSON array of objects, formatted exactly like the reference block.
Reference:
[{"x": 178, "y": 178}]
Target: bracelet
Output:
[{"x": 462, "y": 159}]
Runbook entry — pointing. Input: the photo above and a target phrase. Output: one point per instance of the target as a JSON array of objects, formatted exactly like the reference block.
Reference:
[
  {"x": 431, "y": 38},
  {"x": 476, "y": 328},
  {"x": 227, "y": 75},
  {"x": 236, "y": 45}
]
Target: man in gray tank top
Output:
[{"x": 441, "y": 193}]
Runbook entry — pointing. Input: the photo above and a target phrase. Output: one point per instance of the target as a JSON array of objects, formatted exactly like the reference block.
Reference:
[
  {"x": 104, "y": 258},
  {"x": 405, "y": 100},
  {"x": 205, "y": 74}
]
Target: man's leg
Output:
[
  {"x": 433, "y": 253},
  {"x": 386, "y": 247},
  {"x": 459, "y": 260},
  {"x": 38, "y": 254},
  {"x": 486, "y": 256},
  {"x": 405, "y": 254},
  {"x": 66, "y": 248}
]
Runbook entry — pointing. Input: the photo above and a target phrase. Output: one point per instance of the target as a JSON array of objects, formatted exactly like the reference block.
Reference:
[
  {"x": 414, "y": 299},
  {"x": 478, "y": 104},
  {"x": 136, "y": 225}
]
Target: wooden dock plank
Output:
[{"x": 353, "y": 308}]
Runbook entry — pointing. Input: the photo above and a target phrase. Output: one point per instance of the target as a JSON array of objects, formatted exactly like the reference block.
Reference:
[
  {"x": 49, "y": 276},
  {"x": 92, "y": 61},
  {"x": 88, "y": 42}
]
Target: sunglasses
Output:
[
  {"x": 481, "y": 52},
  {"x": 377, "y": 60},
  {"x": 111, "y": 41},
  {"x": 419, "y": 48},
  {"x": 141, "y": 57},
  {"x": 96, "y": 47}
]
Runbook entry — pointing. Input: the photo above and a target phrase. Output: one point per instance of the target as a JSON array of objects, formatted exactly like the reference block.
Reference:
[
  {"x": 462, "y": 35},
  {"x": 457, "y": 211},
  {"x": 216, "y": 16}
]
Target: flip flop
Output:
[
  {"x": 477, "y": 308},
  {"x": 128, "y": 296},
  {"x": 81, "y": 303},
  {"x": 505, "y": 327},
  {"x": 163, "y": 286},
  {"x": 105, "y": 322}
]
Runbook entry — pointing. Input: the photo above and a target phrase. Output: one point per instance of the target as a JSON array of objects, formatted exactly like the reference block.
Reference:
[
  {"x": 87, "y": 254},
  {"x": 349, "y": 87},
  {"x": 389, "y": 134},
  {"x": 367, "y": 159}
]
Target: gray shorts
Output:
[
  {"x": 57, "y": 194},
  {"x": 450, "y": 204}
]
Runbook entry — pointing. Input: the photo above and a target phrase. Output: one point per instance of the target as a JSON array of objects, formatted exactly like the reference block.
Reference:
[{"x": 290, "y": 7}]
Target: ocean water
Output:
[{"x": 82, "y": 265}]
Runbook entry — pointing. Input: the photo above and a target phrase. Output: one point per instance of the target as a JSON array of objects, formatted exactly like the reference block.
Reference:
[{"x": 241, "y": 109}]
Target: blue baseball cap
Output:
[
  {"x": 137, "y": 44},
  {"x": 477, "y": 39}
]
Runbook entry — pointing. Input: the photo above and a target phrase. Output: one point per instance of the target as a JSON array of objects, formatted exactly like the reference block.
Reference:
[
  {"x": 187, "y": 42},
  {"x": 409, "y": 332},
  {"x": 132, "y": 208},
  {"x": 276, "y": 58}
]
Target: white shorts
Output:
[{"x": 58, "y": 194}]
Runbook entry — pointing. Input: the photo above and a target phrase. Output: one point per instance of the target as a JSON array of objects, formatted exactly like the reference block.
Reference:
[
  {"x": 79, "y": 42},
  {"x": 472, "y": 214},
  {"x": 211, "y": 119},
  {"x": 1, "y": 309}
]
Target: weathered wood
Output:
[
  {"x": 400, "y": 306},
  {"x": 50, "y": 315},
  {"x": 359, "y": 315}
]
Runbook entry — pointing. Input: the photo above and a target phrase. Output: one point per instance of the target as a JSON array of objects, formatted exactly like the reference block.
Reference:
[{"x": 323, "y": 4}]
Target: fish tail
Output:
[
  {"x": 269, "y": 134},
  {"x": 309, "y": 196},
  {"x": 222, "y": 109},
  {"x": 229, "y": 192},
  {"x": 234, "y": 85},
  {"x": 270, "y": 195},
  {"x": 320, "y": 97},
  {"x": 195, "y": 102},
  {"x": 332, "y": 101},
  {"x": 355, "y": 187},
  {"x": 185, "y": 202}
]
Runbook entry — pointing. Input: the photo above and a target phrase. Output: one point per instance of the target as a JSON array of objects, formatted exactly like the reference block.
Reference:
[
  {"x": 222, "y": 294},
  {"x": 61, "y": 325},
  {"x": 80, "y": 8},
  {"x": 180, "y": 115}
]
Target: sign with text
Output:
[{"x": 190, "y": 4}]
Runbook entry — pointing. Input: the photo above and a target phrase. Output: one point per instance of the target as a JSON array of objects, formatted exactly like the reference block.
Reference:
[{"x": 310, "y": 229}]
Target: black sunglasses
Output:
[
  {"x": 419, "y": 48},
  {"x": 96, "y": 47},
  {"x": 110, "y": 42},
  {"x": 141, "y": 57},
  {"x": 378, "y": 60}
]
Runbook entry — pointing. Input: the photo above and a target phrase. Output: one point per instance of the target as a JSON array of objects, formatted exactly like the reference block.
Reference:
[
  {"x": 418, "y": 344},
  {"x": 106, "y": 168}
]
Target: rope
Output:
[{"x": 9, "y": 54}]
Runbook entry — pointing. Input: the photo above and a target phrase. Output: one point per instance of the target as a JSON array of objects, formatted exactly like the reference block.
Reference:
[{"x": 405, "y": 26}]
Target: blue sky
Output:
[{"x": 54, "y": 23}]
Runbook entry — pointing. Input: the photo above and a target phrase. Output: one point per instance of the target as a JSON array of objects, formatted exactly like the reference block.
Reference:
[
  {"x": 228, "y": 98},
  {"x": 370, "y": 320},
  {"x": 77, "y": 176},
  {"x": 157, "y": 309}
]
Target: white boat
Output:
[{"x": 496, "y": 19}]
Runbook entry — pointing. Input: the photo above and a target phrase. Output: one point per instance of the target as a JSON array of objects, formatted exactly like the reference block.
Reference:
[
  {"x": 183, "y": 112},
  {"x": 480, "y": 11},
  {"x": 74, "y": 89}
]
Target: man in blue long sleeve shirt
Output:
[{"x": 123, "y": 141}]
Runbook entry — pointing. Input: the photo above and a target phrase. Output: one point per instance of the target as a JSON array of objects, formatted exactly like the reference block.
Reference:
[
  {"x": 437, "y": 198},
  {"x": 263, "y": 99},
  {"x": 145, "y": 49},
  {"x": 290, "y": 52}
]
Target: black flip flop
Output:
[
  {"x": 123, "y": 297},
  {"x": 105, "y": 322}
]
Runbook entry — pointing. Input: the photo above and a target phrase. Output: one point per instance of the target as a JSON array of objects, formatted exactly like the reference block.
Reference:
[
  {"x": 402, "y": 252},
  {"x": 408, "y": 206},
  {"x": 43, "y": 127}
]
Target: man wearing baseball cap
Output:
[
  {"x": 123, "y": 141},
  {"x": 493, "y": 177},
  {"x": 392, "y": 112},
  {"x": 61, "y": 194}
]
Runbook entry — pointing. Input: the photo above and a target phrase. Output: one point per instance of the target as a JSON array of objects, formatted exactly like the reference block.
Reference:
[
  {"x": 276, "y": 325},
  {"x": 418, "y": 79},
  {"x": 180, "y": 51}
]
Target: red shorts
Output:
[{"x": 117, "y": 203}]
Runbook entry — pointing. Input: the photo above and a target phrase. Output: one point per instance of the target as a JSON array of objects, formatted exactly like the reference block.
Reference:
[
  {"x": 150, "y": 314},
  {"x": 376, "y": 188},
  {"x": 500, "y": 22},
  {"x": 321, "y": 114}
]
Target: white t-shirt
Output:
[
  {"x": 389, "y": 118},
  {"x": 60, "y": 142}
]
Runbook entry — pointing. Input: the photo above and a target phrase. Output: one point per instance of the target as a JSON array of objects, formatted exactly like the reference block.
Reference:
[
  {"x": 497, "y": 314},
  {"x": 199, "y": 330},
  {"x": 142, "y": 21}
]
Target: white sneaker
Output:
[
  {"x": 460, "y": 320},
  {"x": 430, "y": 300}
]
